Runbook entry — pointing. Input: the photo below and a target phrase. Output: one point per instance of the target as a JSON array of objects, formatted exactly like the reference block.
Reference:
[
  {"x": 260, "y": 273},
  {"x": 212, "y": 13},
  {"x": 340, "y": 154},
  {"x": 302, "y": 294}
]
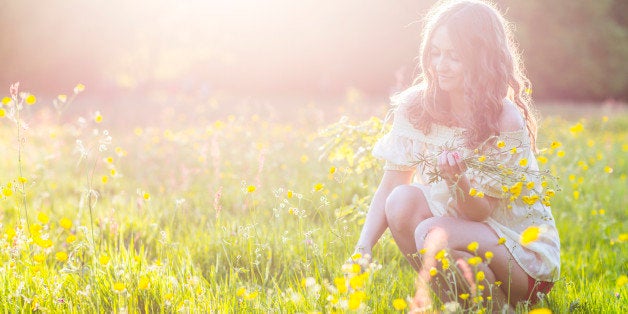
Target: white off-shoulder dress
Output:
[{"x": 402, "y": 146}]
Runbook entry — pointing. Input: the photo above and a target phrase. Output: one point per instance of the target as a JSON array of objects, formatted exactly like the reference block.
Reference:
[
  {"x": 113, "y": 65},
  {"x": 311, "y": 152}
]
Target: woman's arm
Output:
[{"x": 375, "y": 223}]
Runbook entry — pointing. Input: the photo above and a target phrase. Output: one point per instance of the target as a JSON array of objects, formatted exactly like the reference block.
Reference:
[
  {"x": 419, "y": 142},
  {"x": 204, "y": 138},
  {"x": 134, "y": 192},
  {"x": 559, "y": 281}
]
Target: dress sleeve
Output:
[
  {"x": 400, "y": 147},
  {"x": 512, "y": 151}
]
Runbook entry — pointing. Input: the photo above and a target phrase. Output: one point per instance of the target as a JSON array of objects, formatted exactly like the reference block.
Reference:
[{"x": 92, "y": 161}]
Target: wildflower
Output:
[
  {"x": 433, "y": 271},
  {"x": 608, "y": 169},
  {"x": 530, "y": 185},
  {"x": 39, "y": 258},
  {"x": 576, "y": 195},
  {"x": 318, "y": 186},
  {"x": 62, "y": 98},
  {"x": 341, "y": 284},
  {"x": 250, "y": 189},
  {"x": 30, "y": 99},
  {"x": 464, "y": 296},
  {"x": 542, "y": 159},
  {"x": 2, "y": 113},
  {"x": 530, "y": 235},
  {"x": 143, "y": 284},
  {"x": 523, "y": 162},
  {"x": 104, "y": 179},
  {"x": 61, "y": 256},
  {"x": 98, "y": 117},
  {"x": 399, "y": 304},
  {"x": 332, "y": 170},
  {"x": 560, "y": 153},
  {"x": 475, "y": 260},
  {"x": 473, "y": 246},
  {"x": 240, "y": 292},
  {"x": 357, "y": 282},
  {"x": 79, "y": 88},
  {"x": 289, "y": 194},
  {"x": 501, "y": 144},
  {"x": 118, "y": 286},
  {"x": 555, "y": 145},
  {"x": 422, "y": 251},
  {"x": 498, "y": 283},
  {"x": 482, "y": 158},
  {"x": 513, "y": 150},
  {"x": 6, "y": 100},
  {"x": 530, "y": 200},
  {"x": 488, "y": 255},
  {"x": 304, "y": 158},
  {"x": 577, "y": 128},
  {"x": 440, "y": 255},
  {"x": 540, "y": 311},
  {"x": 445, "y": 264},
  {"x": 44, "y": 243},
  {"x": 251, "y": 296},
  {"x": 621, "y": 281},
  {"x": 104, "y": 259},
  {"x": 146, "y": 196},
  {"x": 473, "y": 192},
  {"x": 43, "y": 218},
  {"x": 501, "y": 241},
  {"x": 70, "y": 239},
  {"x": 479, "y": 276}
]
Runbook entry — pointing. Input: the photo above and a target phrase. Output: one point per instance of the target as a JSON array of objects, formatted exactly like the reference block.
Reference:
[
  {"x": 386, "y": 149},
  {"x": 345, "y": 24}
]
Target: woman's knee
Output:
[
  {"x": 405, "y": 201},
  {"x": 434, "y": 227}
]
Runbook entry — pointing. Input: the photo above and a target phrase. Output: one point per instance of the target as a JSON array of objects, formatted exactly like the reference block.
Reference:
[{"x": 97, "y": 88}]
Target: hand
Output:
[{"x": 451, "y": 166}]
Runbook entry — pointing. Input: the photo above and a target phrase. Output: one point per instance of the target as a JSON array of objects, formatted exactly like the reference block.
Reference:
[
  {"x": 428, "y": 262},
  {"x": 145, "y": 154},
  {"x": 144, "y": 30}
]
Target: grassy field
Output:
[{"x": 243, "y": 213}]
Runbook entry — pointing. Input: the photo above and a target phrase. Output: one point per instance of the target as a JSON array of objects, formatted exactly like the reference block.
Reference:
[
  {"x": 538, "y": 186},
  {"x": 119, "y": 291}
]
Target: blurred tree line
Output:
[{"x": 573, "y": 49}]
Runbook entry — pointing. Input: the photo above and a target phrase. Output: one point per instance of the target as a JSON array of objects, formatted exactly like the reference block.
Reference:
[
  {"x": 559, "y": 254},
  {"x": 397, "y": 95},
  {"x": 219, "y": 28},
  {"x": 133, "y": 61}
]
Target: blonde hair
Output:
[{"x": 493, "y": 70}]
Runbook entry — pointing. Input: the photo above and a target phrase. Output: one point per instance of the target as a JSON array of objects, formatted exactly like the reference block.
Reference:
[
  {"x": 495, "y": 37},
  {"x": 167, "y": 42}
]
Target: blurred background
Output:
[{"x": 291, "y": 53}]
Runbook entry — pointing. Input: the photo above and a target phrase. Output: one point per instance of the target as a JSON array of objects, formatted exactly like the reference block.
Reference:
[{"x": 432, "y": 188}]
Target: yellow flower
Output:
[
  {"x": 104, "y": 179},
  {"x": 555, "y": 144},
  {"x": 61, "y": 256},
  {"x": 501, "y": 144},
  {"x": 608, "y": 169},
  {"x": 65, "y": 223},
  {"x": 530, "y": 200},
  {"x": 475, "y": 260},
  {"x": 6, "y": 100},
  {"x": 62, "y": 97},
  {"x": 318, "y": 186},
  {"x": 39, "y": 258},
  {"x": 118, "y": 286},
  {"x": 304, "y": 158},
  {"x": 464, "y": 296},
  {"x": 2, "y": 113},
  {"x": 530, "y": 185},
  {"x": 70, "y": 239},
  {"x": 433, "y": 271},
  {"x": 560, "y": 153},
  {"x": 540, "y": 311},
  {"x": 79, "y": 88},
  {"x": 621, "y": 281},
  {"x": 542, "y": 159},
  {"x": 577, "y": 128},
  {"x": 445, "y": 264},
  {"x": 354, "y": 303},
  {"x": 479, "y": 276},
  {"x": 143, "y": 283},
  {"x": 146, "y": 196},
  {"x": 44, "y": 243},
  {"x": 440, "y": 255},
  {"x": 576, "y": 195},
  {"x": 488, "y": 255},
  {"x": 341, "y": 284},
  {"x": 473, "y": 192},
  {"x": 98, "y": 117},
  {"x": 250, "y": 189},
  {"x": 473, "y": 246},
  {"x": 501, "y": 241},
  {"x": 104, "y": 259},
  {"x": 482, "y": 158},
  {"x": 30, "y": 99},
  {"x": 399, "y": 304},
  {"x": 530, "y": 235},
  {"x": 43, "y": 218},
  {"x": 357, "y": 282},
  {"x": 523, "y": 162},
  {"x": 422, "y": 251},
  {"x": 498, "y": 283},
  {"x": 289, "y": 194},
  {"x": 332, "y": 170},
  {"x": 513, "y": 150},
  {"x": 240, "y": 292}
]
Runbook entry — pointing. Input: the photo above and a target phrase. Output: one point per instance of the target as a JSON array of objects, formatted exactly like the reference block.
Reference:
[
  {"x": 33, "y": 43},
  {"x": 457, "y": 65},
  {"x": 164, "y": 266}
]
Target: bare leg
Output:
[
  {"x": 405, "y": 208},
  {"x": 437, "y": 233}
]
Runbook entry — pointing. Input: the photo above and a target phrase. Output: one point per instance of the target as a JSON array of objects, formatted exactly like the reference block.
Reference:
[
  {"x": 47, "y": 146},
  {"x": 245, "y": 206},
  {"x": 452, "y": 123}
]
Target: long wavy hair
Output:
[{"x": 493, "y": 70}]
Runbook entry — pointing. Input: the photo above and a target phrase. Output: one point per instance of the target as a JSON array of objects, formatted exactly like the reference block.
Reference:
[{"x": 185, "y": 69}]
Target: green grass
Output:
[{"x": 240, "y": 214}]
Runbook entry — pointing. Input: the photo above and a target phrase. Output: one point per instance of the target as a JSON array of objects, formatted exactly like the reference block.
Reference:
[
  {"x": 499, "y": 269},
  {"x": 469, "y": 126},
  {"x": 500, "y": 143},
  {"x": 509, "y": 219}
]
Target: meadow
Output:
[{"x": 241, "y": 212}]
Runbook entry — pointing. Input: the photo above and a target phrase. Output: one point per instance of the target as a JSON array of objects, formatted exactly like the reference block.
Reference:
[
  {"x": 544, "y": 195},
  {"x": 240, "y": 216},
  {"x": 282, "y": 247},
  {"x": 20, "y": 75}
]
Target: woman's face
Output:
[{"x": 445, "y": 62}]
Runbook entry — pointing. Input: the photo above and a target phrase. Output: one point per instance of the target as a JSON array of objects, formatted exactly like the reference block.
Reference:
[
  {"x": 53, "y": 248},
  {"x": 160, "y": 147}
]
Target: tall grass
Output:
[{"x": 244, "y": 214}]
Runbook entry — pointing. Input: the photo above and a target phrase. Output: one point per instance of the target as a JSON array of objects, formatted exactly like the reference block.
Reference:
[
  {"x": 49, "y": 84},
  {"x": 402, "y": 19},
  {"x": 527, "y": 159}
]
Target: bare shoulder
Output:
[{"x": 511, "y": 118}]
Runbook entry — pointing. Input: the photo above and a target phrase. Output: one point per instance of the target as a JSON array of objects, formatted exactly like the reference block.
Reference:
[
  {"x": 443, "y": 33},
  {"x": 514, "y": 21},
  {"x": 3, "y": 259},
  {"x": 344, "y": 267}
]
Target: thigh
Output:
[{"x": 458, "y": 233}]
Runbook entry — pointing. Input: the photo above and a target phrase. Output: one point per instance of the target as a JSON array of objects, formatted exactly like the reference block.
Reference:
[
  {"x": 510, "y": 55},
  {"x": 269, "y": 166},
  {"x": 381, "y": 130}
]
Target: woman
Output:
[{"x": 472, "y": 95}]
